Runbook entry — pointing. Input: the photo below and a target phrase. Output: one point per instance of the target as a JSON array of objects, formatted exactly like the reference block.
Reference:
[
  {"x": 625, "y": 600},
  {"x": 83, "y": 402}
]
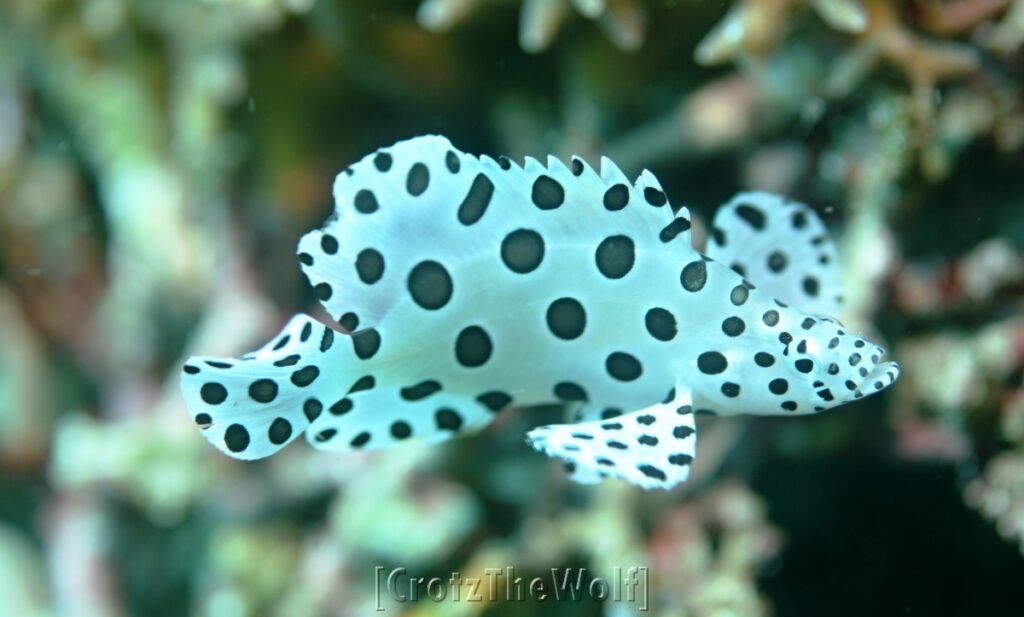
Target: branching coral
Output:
[{"x": 623, "y": 21}]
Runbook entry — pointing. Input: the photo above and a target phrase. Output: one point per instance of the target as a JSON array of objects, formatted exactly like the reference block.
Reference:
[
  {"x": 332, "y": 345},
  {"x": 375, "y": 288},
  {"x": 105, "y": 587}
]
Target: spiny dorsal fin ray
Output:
[
  {"x": 422, "y": 199},
  {"x": 780, "y": 246}
]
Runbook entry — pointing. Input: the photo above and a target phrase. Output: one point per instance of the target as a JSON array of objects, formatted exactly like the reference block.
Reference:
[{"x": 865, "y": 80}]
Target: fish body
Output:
[{"x": 470, "y": 285}]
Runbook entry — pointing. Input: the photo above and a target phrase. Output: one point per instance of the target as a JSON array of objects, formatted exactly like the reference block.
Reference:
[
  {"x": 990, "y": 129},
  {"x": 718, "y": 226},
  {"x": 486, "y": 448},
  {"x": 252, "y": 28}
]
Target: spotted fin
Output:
[
  {"x": 403, "y": 210},
  {"x": 780, "y": 246},
  {"x": 252, "y": 406},
  {"x": 652, "y": 448}
]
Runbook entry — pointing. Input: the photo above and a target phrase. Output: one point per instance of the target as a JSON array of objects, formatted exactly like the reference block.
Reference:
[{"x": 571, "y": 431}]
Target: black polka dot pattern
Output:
[
  {"x": 753, "y": 216},
  {"x": 430, "y": 285},
  {"x": 323, "y": 291},
  {"x": 451, "y": 161},
  {"x": 566, "y": 318},
  {"x": 305, "y": 376},
  {"x": 448, "y": 420},
  {"x": 495, "y": 401},
  {"x": 547, "y": 193},
  {"x": 477, "y": 199},
  {"x": 733, "y": 326},
  {"x": 623, "y": 367},
  {"x": 655, "y": 197},
  {"x": 615, "y": 256},
  {"x": 401, "y": 430},
  {"x": 366, "y": 343},
  {"x": 326, "y": 340},
  {"x": 349, "y": 321},
  {"x": 694, "y": 276},
  {"x": 382, "y": 161},
  {"x": 329, "y": 244},
  {"x": 568, "y": 391},
  {"x": 263, "y": 390},
  {"x": 312, "y": 409},
  {"x": 652, "y": 472},
  {"x": 616, "y": 198},
  {"x": 718, "y": 236},
  {"x": 661, "y": 324},
  {"x": 365, "y": 202},
  {"x": 673, "y": 229},
  {"x": 682, "y": 431},
  {"x": 473, "y": 347},
  {"x": 421, "y": 390},
  {"x": 369, "y": 266},
  {"x": 236, "y": 438},
  {"x": 763, "y": 359},
  {"x": 777, "y": 261},
  {"x": 213, "y": 393},
  {"x": 367, "y": 382},
  {"x": 291, "y": 360},
  {"x": 522, "y": 251},
  {"x": 342, "y": 407},
  {"x": 711, "y": 362},
  {"x": 417, "y": 180},
  {"x": 279, "y": 432},
  {"x": 739, "y": 294}
]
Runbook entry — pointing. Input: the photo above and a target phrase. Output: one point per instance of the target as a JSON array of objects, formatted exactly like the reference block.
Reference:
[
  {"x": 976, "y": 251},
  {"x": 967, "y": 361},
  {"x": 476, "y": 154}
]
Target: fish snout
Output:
[{"x": 863, "y": 369}]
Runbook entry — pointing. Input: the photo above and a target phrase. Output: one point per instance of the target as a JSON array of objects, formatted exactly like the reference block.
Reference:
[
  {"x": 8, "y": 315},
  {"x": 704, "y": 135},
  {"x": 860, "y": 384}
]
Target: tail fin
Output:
[
  {"x": 253, "y": 406},
  {"x": 311, "y": 379}
]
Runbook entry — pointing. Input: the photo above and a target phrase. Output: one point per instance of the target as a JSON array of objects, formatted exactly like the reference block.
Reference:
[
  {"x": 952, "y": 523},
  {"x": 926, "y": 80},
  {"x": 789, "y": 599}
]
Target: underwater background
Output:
[{"x": 160, "y": 159}]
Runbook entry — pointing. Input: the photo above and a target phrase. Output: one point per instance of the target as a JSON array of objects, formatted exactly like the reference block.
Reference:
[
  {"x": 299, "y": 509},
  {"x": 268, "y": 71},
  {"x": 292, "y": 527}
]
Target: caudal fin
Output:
[
  {"x": 251, "y": 407},
  {"x": 311, "y": 379}
]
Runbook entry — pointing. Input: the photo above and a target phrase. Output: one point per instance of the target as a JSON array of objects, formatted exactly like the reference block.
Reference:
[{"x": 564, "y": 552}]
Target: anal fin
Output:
[{"x": 652, "y": 447}]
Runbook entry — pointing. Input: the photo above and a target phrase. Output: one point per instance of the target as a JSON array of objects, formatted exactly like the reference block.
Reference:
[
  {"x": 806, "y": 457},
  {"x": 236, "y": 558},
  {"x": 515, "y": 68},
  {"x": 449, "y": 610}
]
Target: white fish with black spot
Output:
[{"x": 468, "y": 285}]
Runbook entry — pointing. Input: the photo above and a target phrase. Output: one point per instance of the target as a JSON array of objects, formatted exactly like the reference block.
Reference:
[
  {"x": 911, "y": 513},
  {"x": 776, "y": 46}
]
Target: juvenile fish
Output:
[{"x": 467, "y": 285}]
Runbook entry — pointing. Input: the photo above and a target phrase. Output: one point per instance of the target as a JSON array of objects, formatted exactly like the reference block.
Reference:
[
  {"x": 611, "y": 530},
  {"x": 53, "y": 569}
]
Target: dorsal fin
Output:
[{"x": 422, "y": 199}]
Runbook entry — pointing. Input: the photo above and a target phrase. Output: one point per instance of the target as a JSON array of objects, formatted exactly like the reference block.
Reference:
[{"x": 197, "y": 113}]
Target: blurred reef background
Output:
[{"x": 159, "y": 160}]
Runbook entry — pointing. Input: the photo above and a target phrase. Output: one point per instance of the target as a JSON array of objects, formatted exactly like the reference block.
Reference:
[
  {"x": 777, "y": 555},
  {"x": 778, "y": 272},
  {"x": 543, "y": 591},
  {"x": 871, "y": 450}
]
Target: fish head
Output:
[{"x": 831, "y": 366}]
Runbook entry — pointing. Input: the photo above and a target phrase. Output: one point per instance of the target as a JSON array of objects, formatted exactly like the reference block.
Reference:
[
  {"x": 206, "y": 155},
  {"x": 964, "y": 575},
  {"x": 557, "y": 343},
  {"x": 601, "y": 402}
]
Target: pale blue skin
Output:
[{"x": 411, "y": 220}]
